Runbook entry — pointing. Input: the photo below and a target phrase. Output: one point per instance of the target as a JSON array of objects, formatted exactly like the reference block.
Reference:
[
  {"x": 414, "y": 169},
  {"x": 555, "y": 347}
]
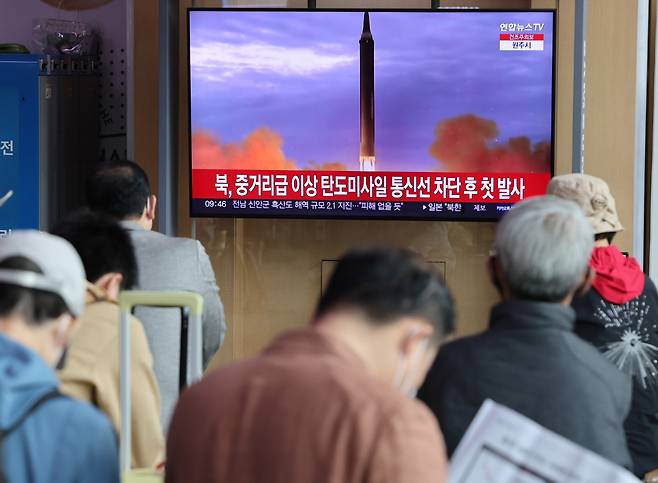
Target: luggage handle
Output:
[{"x": 191, "y": 305}]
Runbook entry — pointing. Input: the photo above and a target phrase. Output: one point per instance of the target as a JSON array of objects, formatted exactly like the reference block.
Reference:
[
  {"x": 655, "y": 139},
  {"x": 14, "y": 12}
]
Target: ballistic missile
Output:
[{"x": 367, "y": 94}]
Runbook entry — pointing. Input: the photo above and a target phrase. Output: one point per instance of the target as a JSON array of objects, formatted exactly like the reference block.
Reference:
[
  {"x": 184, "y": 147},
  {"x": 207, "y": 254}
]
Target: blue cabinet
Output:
[
  {"x": 19, "y": 142},
  {"x": 49, "y": 138}
]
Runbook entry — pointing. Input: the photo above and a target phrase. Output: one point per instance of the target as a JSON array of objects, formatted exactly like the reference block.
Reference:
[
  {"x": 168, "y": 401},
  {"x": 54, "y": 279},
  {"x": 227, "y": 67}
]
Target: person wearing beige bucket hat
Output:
[
  {"x": 593, "y": 196},
  {"x": 619, "y": 314}
]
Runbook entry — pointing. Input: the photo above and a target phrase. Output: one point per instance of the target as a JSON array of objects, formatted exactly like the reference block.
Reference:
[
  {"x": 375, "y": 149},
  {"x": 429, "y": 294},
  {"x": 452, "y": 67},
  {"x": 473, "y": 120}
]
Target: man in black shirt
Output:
[{"x": 529, "y": 359}]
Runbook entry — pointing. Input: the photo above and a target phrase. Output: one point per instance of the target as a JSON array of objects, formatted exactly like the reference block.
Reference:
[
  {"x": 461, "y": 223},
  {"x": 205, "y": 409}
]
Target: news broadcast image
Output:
[{"x": 380, "y": 114}]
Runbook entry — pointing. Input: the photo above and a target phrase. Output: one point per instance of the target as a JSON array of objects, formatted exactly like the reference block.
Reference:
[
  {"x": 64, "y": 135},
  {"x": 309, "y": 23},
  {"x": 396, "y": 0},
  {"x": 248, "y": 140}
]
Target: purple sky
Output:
[{"x": 298, "y": 73}]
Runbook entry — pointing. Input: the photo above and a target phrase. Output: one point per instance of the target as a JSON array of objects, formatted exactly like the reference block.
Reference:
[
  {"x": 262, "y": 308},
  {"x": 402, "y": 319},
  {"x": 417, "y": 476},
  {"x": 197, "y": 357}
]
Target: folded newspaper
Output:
[{"x": 503, "y": 446}]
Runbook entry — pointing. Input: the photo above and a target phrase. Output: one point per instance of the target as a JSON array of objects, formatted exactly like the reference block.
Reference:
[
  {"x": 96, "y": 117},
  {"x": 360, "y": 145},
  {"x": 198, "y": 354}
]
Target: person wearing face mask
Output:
[
  {"x": 91, "y": 369},
  {"x": 331, "y": 403},
  {"x": 530, "y": 359},
  {"x": 45, "y": 437}
]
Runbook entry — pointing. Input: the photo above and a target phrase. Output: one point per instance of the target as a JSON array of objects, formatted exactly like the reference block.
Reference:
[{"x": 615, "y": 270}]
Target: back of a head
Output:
[
  {"x": 41, "y": 277},
  {"x": 103, "y": 245},
  {"x": 387, "y": 284},
  {"x": 119, "y": 189},
  {"x": 34, "y": 306},
  {"x": 594, "y": 198},
  {"x": 543, "y": 246}
]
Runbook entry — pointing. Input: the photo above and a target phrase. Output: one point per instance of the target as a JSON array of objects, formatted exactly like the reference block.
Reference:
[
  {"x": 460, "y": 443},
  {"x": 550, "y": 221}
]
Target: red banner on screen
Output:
[
  {"x": 367, "y": 186},
  {"x": 521, "y": 37}
]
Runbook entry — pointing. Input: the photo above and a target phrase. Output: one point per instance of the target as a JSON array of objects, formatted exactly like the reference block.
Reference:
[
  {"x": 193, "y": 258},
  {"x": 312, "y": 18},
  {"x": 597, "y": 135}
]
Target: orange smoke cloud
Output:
[
  {"x": 464, "y": 143},
  {"x": 261, "y": 149}
]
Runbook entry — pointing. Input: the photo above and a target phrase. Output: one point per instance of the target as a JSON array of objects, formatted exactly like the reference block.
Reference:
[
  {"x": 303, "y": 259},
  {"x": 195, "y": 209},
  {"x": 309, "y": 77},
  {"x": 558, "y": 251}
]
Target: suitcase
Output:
[{"x": 191, "y": 365}]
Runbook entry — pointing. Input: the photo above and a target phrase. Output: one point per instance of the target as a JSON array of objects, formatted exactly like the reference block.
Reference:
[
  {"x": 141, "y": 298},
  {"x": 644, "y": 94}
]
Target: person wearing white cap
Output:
[
  {"x": 619, "y": 315},
  {"x": 45, "y": 436}
]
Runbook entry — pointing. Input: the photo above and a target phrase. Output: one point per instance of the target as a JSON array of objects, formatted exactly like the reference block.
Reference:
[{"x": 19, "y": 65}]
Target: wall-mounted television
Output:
[{"x": 409, "y": 114}]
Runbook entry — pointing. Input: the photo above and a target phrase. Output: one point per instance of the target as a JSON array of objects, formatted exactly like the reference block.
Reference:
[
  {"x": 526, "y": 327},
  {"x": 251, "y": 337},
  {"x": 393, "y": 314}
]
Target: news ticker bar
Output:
[{"x": 346, "y": 209}]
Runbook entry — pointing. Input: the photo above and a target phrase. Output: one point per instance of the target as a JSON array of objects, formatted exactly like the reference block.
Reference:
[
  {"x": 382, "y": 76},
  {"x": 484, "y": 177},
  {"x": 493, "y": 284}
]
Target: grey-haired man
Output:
[{"x": 530, "y": 359}]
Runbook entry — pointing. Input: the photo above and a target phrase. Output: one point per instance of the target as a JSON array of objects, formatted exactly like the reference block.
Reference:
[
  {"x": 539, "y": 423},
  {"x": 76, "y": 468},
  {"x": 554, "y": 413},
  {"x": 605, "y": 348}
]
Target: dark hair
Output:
[
  {"x": 605, "y": 236},
  {"x": 103, "y": 245},
  {"x": 120, "y": 189},
  {"x": 389, "y": 283},
  {"x": 35, "y": 306}
]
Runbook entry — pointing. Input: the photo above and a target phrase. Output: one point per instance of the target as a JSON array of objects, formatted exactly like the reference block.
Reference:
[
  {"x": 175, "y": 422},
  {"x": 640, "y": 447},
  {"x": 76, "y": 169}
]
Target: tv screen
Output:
[{"x": 435, "y": 114}]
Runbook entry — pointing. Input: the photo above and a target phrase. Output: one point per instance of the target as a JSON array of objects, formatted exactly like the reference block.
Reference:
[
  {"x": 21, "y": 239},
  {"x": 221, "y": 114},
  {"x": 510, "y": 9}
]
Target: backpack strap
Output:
[
  {"x": 7, "y": 431},
  {"x": 36, "y": 405}
]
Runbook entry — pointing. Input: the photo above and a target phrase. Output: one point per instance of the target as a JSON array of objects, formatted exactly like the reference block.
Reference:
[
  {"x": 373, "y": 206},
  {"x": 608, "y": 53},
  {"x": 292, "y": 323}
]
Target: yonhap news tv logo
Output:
[{"x": 516, "y": 36}]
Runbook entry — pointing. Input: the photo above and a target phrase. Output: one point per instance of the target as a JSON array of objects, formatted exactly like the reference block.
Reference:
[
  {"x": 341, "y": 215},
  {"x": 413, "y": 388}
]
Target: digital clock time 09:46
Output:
[{"x": 215, "y": 203}]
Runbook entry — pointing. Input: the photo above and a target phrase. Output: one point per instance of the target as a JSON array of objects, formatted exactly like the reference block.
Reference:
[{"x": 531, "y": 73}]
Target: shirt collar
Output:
[
  {"x": 515, "y": 314},
  {"x": 131, "y": 225},
  {"x": 96, "y": 294},
  {"x": 312, "y": 341}
]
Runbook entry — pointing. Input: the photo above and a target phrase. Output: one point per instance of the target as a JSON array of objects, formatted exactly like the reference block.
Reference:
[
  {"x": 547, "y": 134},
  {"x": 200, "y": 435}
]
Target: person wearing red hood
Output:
[{"x": 619, "y": 314}]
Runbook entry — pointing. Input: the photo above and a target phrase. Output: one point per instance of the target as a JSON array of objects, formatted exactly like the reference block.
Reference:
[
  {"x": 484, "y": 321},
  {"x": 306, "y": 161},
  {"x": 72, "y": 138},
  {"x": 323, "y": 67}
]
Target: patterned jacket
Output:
[{"x": 627, "y": 335}]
